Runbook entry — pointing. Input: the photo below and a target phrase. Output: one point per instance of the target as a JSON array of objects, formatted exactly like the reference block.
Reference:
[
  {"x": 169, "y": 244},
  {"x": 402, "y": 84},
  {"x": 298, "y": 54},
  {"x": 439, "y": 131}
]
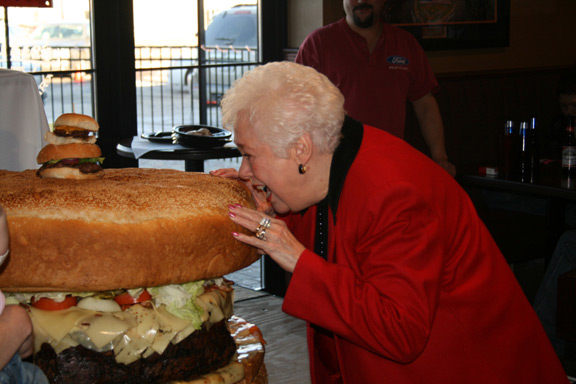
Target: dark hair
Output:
[{"x": 567, "y": 84}]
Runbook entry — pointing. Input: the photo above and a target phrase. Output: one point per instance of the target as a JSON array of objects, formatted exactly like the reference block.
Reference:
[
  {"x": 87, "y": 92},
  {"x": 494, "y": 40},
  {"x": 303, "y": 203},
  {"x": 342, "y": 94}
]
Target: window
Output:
[
  {"x": 184, "y": 63},
  {"x": 54, "y": 45}
]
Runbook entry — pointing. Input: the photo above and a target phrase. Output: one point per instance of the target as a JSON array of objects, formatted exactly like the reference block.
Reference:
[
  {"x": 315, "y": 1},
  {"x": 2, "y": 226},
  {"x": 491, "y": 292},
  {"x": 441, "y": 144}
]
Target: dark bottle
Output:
[
  {"x": 528, "y": 150},
  {"x": 568, "y": 181},
  {"x": 524, "y": 151},
  {"x": 534, "y": 145},
  {"x": 569, "y": 148},
  {"x": 510, "y": 152}
]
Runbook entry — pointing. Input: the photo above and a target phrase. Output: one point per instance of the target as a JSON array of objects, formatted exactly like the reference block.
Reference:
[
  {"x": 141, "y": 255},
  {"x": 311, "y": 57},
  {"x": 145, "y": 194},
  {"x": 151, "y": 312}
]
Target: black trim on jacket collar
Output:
[{"x": 344, "y": 155}]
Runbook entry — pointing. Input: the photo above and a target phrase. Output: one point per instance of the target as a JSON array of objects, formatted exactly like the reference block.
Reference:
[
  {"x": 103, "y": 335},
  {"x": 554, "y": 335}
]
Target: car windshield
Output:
[
  {"x": 59, "y": 32},
  {"x": 234, "y": 27}
]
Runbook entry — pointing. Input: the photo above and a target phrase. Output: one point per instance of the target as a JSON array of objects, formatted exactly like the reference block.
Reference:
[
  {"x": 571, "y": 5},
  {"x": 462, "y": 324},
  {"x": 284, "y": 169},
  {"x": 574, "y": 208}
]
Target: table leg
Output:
[{"x": 194, "y": 165}]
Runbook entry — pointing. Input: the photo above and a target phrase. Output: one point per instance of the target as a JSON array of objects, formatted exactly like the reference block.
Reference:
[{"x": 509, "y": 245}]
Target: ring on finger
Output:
[
  {"x": 261, "y": 233},
  {"x": 265, "y": 222}
]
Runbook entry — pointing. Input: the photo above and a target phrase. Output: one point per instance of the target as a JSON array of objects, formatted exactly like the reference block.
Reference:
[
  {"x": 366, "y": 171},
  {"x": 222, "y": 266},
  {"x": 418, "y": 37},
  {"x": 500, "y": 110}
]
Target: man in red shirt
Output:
[{"x": 378, "y": 68}]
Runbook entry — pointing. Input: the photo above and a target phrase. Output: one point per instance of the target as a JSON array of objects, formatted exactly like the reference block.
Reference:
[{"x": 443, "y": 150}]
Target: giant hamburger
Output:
[
  {"x": 122, "y": 275},
  {"x": 71, "y": 152}
]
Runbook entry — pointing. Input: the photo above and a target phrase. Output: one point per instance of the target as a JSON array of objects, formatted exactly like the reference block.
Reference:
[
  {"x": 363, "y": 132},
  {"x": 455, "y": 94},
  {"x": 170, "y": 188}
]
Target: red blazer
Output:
[{"x": 415, "y": 290}]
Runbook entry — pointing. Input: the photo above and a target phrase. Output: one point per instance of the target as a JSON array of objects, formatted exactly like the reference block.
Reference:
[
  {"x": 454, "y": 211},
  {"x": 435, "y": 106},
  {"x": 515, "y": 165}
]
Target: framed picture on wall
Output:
[{"x": 452, "y": 24}]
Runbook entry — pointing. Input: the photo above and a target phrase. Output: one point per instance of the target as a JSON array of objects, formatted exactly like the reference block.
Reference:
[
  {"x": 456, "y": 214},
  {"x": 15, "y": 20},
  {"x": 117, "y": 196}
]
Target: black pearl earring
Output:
[{"x": 302, "y": 169}]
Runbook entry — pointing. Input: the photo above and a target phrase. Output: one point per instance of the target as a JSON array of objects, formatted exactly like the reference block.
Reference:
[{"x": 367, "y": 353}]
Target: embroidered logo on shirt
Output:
[{"x": 397, "y": 60}]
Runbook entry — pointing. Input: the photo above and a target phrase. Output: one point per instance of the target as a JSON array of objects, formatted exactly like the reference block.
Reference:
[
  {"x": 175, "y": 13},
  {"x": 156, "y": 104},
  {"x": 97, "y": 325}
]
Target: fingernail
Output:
[
  {"x": 231, "y": 206},
  {"x": 237, "y": 206},
  {"x": 232, "y": 214},
  {"x": 235, "y": 234}
]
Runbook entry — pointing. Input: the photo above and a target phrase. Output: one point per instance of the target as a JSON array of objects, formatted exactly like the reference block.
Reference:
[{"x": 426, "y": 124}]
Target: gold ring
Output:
[{"x": 261, "y": 233}]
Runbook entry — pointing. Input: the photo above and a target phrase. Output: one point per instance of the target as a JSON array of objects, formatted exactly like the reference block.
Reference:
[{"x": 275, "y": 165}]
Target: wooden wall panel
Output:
[{"x": 475, "y": 107}]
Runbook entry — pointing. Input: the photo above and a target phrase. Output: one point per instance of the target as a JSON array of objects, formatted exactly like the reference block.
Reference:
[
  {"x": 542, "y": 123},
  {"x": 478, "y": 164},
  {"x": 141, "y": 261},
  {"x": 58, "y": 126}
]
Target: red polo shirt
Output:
[{"x": 376, "y": 85}]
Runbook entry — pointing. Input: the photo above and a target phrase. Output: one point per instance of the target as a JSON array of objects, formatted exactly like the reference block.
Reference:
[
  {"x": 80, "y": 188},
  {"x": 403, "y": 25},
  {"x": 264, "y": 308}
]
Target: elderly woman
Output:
[{"x": 394, "y": 272}]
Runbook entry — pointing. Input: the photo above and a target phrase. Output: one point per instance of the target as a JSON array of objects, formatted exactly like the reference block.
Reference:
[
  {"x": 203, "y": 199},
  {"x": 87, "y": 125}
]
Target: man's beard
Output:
[{"x": 368, "y": 22}]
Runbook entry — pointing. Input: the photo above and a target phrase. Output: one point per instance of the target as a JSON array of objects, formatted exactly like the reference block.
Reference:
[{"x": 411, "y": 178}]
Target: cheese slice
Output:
[
  {"x": 104, "y": 328},
  {"x": 57, "y": 324},
  {"x": 136, "y": 332}
]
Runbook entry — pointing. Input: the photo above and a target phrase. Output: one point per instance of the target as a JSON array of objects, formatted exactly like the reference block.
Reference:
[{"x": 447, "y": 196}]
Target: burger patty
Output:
[
  {"x": 87, "y": 167},
  {"x": 200, "y": 353},
  {"x": 77, "y": 134}
]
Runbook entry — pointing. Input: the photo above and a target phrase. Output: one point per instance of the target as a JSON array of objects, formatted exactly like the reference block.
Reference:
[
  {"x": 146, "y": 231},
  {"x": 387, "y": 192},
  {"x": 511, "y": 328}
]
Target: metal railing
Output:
[
  {"x": 175, "y": 85},
  {"x": 184, "y": 85}
]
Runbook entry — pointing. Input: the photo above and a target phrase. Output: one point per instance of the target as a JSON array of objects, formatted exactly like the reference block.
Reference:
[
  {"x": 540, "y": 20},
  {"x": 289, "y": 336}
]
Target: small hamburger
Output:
[
  {"x": 73, "y": 128},
  {"x": 128, "y": 285},
  {"x": 71, "y": 152}
]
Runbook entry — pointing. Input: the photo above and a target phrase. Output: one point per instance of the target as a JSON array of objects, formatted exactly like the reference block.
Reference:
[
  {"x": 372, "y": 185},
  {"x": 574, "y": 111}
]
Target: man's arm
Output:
[{"x": 430, "y": 120}]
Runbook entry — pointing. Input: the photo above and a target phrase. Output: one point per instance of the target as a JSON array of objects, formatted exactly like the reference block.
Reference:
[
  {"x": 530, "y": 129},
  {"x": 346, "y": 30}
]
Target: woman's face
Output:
[{"x": 264, "y": 167}]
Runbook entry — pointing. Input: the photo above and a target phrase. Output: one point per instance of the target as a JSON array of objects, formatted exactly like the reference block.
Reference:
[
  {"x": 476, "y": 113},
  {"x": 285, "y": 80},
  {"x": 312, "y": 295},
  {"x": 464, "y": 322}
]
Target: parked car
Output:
[
  {"x": 54, "y": 47},
  {"x": 75, "y": 34},
  {"x": 236, "y": 27},
  {"x": 231, "y": 41}
]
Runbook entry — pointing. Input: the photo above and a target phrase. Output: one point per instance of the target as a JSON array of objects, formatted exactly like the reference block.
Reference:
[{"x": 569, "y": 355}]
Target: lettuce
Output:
[{"x": 180, "y": 300}]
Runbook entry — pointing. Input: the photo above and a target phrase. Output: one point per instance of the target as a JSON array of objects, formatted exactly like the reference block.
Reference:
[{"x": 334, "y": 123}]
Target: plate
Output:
[
  {"x": 189, "y": 136},
  {"x": 159, "y": 137}
]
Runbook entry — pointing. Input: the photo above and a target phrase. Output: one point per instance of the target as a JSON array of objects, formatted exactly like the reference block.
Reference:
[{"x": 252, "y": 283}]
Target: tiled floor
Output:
[
  {"x": 286, "y": 356},
  {"x": 249, "y": 277}
]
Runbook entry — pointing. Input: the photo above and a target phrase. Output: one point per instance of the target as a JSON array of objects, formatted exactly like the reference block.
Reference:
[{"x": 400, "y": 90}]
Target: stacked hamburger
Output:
[
  {"x": 122, "y": 275},
  {"x": 72, "y": 152}
]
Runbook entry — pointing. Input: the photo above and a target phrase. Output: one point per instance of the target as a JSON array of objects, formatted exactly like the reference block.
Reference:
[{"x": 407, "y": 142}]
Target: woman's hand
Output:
[
  {"x": 258, "y": 189},
  {"x": 230, "y": 173},
  {"x": 276, "y": 240}
]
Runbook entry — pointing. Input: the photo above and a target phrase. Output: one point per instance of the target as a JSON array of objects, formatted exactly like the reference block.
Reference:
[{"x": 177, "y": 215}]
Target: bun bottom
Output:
[{"x": 68, "y": 173}]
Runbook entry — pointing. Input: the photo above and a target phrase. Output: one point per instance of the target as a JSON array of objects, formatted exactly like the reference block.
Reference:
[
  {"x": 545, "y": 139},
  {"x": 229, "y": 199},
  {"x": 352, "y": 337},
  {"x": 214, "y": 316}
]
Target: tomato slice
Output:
[
  {"x": 127, "y": 299},
  {"x": 47, "y": 304}
]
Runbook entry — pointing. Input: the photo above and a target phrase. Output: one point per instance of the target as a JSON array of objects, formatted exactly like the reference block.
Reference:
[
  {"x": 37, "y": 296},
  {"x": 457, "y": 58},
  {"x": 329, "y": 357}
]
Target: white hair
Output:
[{"x": 284, "y": 100}]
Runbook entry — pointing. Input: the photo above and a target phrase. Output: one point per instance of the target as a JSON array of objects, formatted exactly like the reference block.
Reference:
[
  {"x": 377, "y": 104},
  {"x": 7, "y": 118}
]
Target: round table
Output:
[{"x": 193, "y": 157}]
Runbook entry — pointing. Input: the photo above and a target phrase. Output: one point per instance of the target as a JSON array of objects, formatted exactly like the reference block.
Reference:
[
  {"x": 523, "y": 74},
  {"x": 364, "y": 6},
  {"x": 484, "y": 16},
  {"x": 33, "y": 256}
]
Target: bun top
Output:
[
  {"x": 68, "y": 151},
  {"x": 132, "y": 228},
  {"x": 78, "y": 121}
]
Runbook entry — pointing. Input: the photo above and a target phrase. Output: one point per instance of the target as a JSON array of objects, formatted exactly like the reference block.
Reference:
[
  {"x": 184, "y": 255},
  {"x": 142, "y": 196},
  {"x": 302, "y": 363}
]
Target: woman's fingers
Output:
[
  {"x": 270, "y": 237},
  {"x": 225, "y": 172}
]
